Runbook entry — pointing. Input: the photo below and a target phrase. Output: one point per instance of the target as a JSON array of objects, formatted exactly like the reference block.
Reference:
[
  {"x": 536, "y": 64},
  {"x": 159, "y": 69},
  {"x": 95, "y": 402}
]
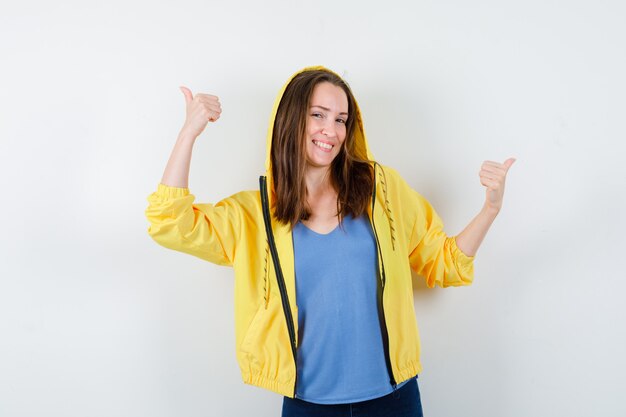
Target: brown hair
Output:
[{"x": 351, "y": 174}]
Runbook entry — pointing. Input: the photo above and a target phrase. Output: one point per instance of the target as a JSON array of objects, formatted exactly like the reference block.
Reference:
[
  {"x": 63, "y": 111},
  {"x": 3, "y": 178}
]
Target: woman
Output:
[{"x": 322, "y": 253}]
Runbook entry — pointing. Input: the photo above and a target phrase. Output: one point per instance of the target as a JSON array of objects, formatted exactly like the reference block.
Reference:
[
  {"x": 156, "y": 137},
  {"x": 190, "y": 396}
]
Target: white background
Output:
[{"x": 96, "y": 319}]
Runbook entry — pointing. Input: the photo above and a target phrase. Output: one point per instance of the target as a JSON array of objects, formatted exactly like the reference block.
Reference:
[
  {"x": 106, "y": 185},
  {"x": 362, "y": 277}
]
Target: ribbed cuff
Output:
[
  {"x": 166, "y": 191},
  {"x": 464, "y": 264},
  {"x": 458, "y": 253}
]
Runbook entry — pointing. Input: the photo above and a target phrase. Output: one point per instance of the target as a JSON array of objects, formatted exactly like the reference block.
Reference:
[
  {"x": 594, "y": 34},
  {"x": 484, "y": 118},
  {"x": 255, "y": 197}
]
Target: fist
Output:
[
  {"x": 201, "y": 109},
  {"x": 493, "y": 175}
]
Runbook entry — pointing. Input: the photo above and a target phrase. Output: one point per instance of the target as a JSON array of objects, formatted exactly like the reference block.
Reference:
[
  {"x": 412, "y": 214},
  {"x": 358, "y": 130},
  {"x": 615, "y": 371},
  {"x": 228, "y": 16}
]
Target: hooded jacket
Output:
[{"x": 239, "y": 231}]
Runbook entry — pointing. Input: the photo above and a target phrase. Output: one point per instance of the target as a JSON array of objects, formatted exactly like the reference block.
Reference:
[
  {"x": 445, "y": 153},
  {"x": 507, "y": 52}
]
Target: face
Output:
[{"x": 326, "y": 124}]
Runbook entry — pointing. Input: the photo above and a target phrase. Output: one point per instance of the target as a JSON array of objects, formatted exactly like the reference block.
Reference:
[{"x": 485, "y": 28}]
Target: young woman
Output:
[{"x": 322, "y": 253}]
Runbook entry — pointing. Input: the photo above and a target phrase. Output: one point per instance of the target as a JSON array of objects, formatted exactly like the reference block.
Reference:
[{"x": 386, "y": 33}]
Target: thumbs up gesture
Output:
[
  {"x": 201, "y": 109},
  {"x": 493, "y": 175}
]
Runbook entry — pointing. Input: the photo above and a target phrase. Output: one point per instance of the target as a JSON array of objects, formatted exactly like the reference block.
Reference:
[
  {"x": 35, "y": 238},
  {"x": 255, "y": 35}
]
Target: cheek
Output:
[
  {"x": 342, "y": 134},
  {"x": 310, "y": 132},
  {"x": 313, "y": 125}
]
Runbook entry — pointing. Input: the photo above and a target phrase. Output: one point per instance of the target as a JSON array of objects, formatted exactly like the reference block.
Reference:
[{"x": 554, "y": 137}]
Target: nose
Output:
[{"x": 328, "y": 129}]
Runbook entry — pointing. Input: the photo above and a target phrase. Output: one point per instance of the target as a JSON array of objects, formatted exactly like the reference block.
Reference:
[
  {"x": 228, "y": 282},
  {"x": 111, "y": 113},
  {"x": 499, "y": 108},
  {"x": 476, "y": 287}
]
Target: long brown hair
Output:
[{"x": 352, "y": 174}]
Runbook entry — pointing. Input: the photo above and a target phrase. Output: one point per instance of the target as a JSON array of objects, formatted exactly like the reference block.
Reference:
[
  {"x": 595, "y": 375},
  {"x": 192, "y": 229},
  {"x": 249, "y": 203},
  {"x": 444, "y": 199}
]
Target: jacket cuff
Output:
[
  {"x": 166, "y": 192},
  {"x": 460, "y": 258}
]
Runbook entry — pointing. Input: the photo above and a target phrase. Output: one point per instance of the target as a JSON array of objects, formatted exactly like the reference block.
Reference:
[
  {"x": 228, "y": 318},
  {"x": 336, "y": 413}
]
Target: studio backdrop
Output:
[{"x": 96, "y": 319}]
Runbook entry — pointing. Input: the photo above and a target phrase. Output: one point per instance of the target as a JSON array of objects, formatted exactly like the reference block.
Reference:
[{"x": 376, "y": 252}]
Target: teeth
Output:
[{"x": 323, "y": 145}]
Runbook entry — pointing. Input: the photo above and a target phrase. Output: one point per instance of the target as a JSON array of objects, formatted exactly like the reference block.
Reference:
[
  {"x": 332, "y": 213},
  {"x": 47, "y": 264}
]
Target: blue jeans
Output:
[{"x": 404, "y": 402}]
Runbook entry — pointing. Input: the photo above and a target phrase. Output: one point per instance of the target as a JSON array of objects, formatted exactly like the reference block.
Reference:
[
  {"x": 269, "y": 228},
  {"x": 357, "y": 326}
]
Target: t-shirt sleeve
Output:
[{"x": 205, "y": 230}]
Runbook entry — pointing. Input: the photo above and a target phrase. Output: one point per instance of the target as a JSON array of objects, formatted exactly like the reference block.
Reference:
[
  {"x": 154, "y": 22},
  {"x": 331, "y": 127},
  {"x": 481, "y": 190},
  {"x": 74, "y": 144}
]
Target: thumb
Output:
[
  {"x": 508, "y": 163},
  {"x": 187, "y": 93}
]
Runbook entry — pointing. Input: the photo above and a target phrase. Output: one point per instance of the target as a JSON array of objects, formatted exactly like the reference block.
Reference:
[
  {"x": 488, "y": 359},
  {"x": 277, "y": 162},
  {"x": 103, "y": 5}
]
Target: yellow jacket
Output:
[{"x": 409, "y": 235}]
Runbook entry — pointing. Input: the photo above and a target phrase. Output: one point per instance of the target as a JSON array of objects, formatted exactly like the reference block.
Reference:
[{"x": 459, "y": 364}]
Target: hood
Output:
[
  {"x": 359, "y": 132},
  {"x": 279, "y": 237}
]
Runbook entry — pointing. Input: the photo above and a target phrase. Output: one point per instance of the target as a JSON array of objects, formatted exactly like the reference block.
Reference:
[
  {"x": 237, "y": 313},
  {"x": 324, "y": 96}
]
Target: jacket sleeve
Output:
[
  {"x": 433, "y": 254},
  {"x": 207, "y": 231}
]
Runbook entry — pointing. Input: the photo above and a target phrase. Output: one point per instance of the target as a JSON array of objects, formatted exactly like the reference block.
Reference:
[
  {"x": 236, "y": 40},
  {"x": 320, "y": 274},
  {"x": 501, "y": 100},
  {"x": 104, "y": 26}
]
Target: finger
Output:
[
  {"x": 209, "y": 96},
  {"x": 505, "y": 166},
  {"x": 494, "y": 163},
  {"x": 494, "y": 170},
  {"x": 492, "y": 177},
  {"x": 501, "y": 172},
  {"x": 208, "y": 108},
  {"x": 492, "y": 185},
  {"x": 508, "y": 163},
  {"x": 488, "y": 183},
  {"x": 214, "y": 107},
  {"x": 213, "y": 116},
  {"x": 187, "y": 93},
  {"x": 211, "y": 105},
  {"x": 207, "y": 99},
  {"x": 493, "y": 167},
  {"x": 207, "y": 113},
  {"x": 216, "y": 111},
  {"x": 489, "y": 177}
]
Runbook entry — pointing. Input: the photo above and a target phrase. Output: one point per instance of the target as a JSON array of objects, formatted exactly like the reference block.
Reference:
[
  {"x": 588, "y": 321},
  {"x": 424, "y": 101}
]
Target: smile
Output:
[{"x": 322, "y": 145}]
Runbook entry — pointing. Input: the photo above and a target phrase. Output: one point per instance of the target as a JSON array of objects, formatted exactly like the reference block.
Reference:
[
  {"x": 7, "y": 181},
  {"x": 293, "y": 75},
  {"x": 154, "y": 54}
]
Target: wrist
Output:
[
  {"x": 186, "y": 136},
  {"x": 491, "y": 210}
]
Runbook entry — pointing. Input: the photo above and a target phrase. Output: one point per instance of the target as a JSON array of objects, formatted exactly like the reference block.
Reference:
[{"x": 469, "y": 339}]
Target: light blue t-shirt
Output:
[{"x": 341, "y": 358}]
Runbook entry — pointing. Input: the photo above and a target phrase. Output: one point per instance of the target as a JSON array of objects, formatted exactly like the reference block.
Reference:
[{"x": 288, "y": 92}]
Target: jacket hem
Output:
[
  {"x": 408, "y": 372},
  {"x": 260, "y": 381}
]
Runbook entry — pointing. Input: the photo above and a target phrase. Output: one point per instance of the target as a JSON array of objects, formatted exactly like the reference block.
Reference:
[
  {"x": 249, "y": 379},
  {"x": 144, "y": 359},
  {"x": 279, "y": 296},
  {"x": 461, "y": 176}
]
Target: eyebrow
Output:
[{"x": 327, "y": 109}]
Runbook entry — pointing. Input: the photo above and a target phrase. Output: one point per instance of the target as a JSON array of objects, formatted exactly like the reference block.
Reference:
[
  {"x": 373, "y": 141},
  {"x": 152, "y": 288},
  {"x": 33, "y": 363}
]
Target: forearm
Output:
[
  {"x": 472, "y": 236},
  {"x": 177, "y": 170}
]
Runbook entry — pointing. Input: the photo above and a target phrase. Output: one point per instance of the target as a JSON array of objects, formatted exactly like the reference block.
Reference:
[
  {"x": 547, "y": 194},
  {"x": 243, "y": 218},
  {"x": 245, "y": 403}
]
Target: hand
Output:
[
  {"x": 201, "y": 109},
  {"x": 493, "y": 175}
]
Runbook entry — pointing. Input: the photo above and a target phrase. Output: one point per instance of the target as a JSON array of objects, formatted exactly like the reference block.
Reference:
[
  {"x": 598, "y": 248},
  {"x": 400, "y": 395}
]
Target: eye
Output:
[
  {"x": 341, "y": 121},
  {"x": 317, "y": 115}
]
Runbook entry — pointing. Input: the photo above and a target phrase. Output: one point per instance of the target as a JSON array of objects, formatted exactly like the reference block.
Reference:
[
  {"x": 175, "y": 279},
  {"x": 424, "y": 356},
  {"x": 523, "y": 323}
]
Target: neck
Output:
[{"x": 318, "y": 180}]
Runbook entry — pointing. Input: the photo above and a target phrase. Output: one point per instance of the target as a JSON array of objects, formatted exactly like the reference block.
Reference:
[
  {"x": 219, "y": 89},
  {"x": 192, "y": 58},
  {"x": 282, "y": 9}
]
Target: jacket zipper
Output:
[
  {"x": 392, "y": 380},
  {"x": 279, "y": 276},
  {"x": 283, "y": 288}
]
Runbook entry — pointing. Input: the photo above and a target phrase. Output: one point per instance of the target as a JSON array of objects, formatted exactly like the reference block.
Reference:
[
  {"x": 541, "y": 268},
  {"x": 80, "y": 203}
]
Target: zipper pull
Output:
[{"x": 395, "y": 391}]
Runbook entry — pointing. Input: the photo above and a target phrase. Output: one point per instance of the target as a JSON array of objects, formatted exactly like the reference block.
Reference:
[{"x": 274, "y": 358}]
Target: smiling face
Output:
[{"x": 325, "y": 124}]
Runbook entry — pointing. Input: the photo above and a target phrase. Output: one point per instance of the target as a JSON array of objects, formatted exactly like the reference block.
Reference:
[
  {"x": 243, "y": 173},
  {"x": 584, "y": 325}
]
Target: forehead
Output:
[{"x": 330, "y": 96}]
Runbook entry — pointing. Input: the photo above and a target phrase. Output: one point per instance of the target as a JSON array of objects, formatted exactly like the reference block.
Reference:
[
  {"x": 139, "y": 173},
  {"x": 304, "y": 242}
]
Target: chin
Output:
[
  {"x": 313, "y": 162},
  {"x": 323, "y": 161}
]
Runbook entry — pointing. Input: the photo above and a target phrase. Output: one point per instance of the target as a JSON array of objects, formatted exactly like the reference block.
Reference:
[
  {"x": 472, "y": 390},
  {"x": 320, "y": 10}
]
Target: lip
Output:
[{"x": 325, "y": 142}]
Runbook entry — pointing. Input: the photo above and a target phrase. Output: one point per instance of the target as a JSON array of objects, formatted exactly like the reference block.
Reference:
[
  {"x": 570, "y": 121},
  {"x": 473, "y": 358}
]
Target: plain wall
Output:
[{"x": 96, "y": 319}]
